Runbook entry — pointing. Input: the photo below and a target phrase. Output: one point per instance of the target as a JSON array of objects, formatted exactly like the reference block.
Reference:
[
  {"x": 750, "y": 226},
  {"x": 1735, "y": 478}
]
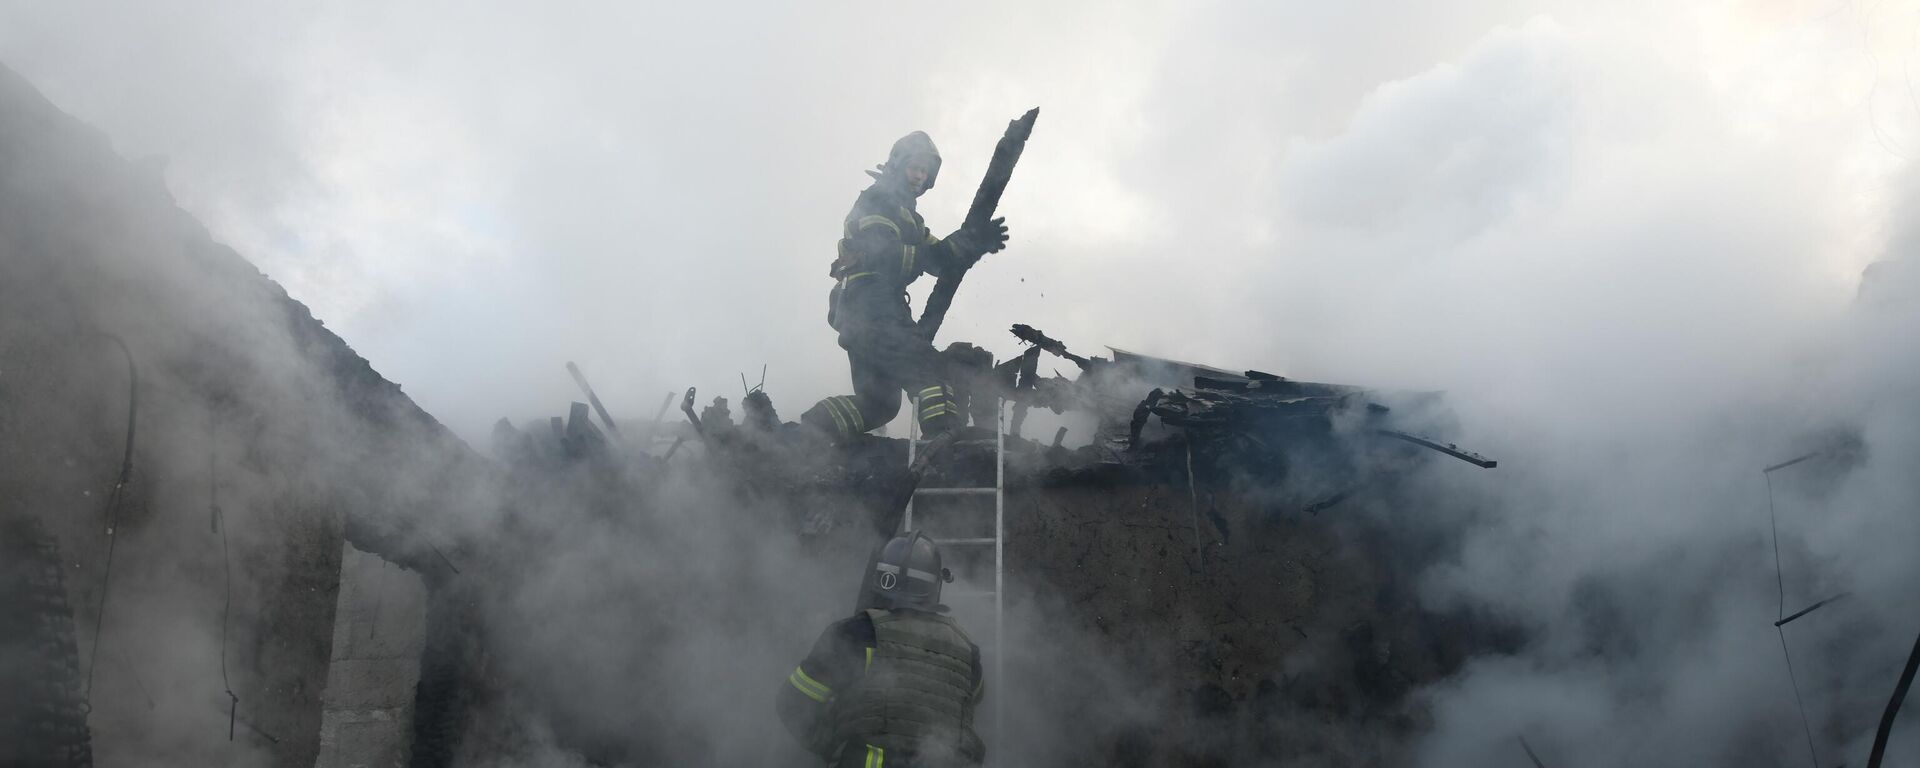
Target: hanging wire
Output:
[
  {"x": 1804, "y": 722},
  {"x": 226, "y": 565},
  {"x": 443, "y": 558},
  {"x": 1780, "y": 613},
  {"x": 113, "y": 517},
  {"x": 1530, "y": 755},
  {"x": 1779, "y": 578}
]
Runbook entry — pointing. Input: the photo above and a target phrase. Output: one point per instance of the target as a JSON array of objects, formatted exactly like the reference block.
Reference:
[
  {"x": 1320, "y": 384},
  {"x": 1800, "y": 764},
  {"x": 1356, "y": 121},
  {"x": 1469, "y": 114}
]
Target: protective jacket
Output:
[
  {"x": 885, "y": 245},
  {"x": 906, "y": 699}
]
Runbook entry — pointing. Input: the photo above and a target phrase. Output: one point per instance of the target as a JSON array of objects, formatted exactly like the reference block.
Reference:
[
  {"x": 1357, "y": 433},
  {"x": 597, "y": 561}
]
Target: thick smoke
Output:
[
  {"x": 1637, "y": 341},
  {"x": 1626, "y": 242}
]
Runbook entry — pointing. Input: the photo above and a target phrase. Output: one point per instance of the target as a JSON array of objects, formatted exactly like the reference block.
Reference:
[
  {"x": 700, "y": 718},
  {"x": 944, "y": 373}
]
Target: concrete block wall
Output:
[{"x": 378, "y": 633}]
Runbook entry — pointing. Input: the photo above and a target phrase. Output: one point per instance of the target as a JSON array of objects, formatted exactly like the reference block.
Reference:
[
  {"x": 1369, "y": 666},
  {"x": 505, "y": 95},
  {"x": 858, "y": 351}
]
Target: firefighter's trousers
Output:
[{"x": 887, "y": 358}]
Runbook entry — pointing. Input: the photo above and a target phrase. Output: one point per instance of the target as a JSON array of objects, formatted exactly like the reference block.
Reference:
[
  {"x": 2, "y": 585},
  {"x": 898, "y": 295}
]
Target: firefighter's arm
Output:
[
  {"x": 942, "y": 256},
  {"x": 965, "y": 246},
  {"x": 803, "y": 710},
  {"x": 806, "y": 697}
]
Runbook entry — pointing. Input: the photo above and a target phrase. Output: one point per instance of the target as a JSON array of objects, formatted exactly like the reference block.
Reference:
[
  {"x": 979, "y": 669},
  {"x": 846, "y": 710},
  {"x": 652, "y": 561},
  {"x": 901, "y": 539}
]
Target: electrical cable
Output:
[
  {"x": 226, "y": 567},
  {"x": 112, "y": 515},
  {"x": 1804, "y": 722},
  {"x": 1780, "y": 613},
  {"x": 1773, "y": 522}
]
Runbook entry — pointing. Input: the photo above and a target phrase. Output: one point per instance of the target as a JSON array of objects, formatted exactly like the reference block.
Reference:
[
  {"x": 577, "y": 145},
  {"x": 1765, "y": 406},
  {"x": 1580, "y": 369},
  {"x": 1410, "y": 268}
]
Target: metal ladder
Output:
[{"x": 997, "y": 667}]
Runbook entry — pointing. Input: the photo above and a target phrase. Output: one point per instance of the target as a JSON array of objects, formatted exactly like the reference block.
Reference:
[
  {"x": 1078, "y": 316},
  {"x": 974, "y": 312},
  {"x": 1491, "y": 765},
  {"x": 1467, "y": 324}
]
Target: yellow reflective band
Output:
[
  {"x": 850, "y": 278},
  {"x": 809, "y": 686},
  {"x": 869, "y": 657},
  {"x": 931, "y": 240},
  {"x": 867, "y": 221},
  {"x": 876, "y": 757},
  {"x": 834, "y": 411},
  {"x": 851, "y": 422},
  {"x": 927, "y": 413},
  {"x": 906, "y": 259},
  {"x": 858, "y": 421},
  {"x": 930, "y": 391},
  {"x": 854, "y": 424}
]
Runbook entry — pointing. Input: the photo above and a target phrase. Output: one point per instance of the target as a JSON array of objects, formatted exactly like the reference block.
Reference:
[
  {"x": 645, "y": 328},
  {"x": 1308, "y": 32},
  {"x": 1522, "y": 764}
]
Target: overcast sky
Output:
[{"x": 1393, "y": 193}]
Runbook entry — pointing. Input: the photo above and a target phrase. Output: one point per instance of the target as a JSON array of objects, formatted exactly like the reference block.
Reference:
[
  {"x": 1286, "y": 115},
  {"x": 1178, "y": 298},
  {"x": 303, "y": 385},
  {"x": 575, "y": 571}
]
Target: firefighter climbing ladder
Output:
[{"x": 998, "y": 541}]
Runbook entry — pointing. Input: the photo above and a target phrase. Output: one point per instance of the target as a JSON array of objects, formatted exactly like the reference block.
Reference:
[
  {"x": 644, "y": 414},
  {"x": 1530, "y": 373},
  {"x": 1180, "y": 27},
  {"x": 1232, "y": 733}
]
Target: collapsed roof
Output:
[{"x": 1304, "y": 445}]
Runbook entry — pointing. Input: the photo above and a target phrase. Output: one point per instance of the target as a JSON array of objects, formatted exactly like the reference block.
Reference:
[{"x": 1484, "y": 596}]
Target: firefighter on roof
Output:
[{"x": 884, "y": 246}]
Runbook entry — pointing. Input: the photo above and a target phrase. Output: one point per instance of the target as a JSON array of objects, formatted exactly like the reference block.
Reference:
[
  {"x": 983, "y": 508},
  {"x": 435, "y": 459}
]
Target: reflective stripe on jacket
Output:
[{"x": 884, "y": 246}]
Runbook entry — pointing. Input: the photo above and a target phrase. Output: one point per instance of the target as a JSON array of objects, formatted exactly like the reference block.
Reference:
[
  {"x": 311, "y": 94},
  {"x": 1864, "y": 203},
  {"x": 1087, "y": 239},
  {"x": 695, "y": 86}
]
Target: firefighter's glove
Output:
[
  {"x": 994, "y": 235},
  {"x": 971, "y": 242}
]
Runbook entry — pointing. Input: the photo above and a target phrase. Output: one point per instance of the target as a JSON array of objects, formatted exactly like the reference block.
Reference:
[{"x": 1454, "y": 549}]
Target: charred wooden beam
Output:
[
  {"x": 581, "y": 379},
  {"x": 686, "y": 407},
  {"x": 1449, "y": 449}
]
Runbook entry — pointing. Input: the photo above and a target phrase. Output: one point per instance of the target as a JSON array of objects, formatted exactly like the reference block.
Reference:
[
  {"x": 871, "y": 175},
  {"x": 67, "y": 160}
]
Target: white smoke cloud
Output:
[{"x": 1624, "y": 239}]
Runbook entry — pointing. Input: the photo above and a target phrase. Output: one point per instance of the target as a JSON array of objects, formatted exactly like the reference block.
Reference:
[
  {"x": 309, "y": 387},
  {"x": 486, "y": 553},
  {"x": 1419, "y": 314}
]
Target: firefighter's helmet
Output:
[
  {"x": 906, "y": 573},
  {"x": 913, "y": 145}
]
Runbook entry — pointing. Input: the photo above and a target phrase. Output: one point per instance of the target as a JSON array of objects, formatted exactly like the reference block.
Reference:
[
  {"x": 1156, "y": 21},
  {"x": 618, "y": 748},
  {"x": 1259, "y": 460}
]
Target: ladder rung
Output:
[
  {"x": 955, "y": 491},
  {"x": 973, "y": 542}
]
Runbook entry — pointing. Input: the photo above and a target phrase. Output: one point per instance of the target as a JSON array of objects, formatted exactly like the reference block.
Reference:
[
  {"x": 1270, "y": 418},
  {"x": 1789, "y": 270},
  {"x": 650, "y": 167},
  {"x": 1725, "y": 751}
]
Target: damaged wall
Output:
[
  {"x": 259, "y": 443},
  {"x": 379, "y": 632}
]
